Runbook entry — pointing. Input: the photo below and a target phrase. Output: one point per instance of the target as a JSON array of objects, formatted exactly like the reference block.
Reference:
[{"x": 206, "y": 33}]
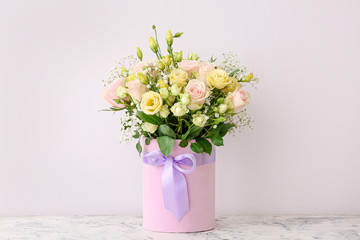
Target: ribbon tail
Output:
[{"x": 174, "y": 190}]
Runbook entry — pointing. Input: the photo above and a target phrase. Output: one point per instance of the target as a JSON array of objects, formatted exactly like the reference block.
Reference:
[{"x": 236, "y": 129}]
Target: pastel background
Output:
[{"x": 59, "y": 155}]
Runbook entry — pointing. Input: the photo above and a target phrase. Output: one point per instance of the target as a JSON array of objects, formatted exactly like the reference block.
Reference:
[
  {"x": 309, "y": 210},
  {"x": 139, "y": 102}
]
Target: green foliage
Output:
[
  {"x": 166, "y": 144},
  {"x": 183, "y": 143},
  {"x": 205, "y": 145},
  {"x": 147, "y": 141},
  {"x": 192, "y": 133},
  {"x": 138, "y": 147},
  {"x": 153, "y": 119},
  {"x": 196, "y": 147},
  {"x": 233, "y": 72},
  {"x": 165, "y": 130}
]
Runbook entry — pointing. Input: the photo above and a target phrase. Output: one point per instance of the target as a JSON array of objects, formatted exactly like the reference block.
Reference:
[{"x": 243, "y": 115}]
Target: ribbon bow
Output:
[{"x": 174, "y": 185}]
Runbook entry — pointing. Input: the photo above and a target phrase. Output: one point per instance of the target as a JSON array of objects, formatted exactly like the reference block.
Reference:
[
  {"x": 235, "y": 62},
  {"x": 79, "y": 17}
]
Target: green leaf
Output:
[
  {"x": 178, "y": 34},
  {"x": 137, "y": 135},
  {"x": 165, "y": 130},
  {"x": 166, "y": 144},
  {"x": 205, "y": 144},
  {"x": 150, "y": 118},
  {"x": 224, "y": 129},
  {"x": 139, "y": 148},
  {"x": 233, "y": 72},
  {"x": 217, "y": 140},
  {"x": 183, "y": 143},
  {"x": 192, "y": 133},
  {"x": 196, "y": 147},
  {"x": 117, "y": 101},
  {"x": 147, "y": 141}
]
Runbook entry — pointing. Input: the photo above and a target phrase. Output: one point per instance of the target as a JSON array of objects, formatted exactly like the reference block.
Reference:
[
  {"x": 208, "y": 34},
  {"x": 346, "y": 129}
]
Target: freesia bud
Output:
[
  {"x": 139, "y": 53},
  {"x": 161, "y": 65},
  {"x": 178, "y": 56},
  {"x": 143, "y": 78},
  {"x": 153, "y": 45},
  {"x": 169, "y": 38},
  {"x": 168, "y": 60},
  {"x": 178, "y": 34},
  {"x": 193, "y": 56},
  {"x": 248, "y": 77}
]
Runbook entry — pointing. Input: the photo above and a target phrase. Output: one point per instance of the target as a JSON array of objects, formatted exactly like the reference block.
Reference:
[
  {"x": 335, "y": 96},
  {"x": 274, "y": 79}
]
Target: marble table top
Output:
[{"x": 252, "y": 227}]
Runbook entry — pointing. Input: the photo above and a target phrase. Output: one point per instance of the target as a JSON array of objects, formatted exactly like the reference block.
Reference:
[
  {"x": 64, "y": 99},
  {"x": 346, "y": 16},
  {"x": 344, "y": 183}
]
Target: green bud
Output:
[
  {"x": 161, "y": 65},
  {"x": 169, "y": 38},
  {"x": 168, "y": 60},
  {"x": 178, "y": 56},
  {"x": 153, "y": 45},
  {"x": 220, "y": 100},
  {"x": 178, "y": 34},
  {"x": 143, "y": 78},
  {"x": 248, "y": 77},
  {"x": 193, "y": 56},
  {"x": 139, "y": 53},
  {"x": 221, "y": 119}
]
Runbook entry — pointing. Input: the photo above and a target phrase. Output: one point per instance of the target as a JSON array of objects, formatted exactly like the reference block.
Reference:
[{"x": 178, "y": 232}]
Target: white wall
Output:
[{"x": 59, "y": 155}]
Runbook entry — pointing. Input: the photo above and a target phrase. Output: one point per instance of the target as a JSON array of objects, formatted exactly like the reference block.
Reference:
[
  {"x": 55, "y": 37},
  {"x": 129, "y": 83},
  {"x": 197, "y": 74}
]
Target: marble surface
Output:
[{"x": 227, "y": 227}]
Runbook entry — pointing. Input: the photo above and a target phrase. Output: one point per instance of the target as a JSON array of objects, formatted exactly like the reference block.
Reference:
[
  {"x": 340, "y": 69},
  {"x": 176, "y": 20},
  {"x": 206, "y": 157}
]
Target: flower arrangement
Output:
[{"x": 170, "y": 97}]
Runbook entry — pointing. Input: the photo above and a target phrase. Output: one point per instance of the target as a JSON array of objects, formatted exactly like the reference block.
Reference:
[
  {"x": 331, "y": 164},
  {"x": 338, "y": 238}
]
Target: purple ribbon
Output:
[{"x": 174, "y": 186}]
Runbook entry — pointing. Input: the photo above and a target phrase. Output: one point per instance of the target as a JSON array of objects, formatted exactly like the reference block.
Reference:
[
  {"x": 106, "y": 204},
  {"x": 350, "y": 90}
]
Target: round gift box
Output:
[{"x": 201, "y": 194}]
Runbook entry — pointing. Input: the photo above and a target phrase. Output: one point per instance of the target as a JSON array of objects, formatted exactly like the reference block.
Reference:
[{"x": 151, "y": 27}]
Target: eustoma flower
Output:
[{"x": 151, "y": 103}]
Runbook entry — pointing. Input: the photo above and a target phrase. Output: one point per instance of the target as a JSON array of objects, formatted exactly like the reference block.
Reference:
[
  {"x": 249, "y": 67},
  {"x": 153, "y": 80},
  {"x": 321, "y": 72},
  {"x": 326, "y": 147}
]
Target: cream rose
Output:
[
  {"x": 189, "y": 65},
  {"x": 178, "y": 77},
  {"x": 164, "y": 93},
  {"x": 198, "y": 91},
  {"x": 148, "y": 127},
  {"x": 136, "y": 89},
  {"x": 151, "y": 103},
  {"x": 164, "y": 111},
  {"x": 199, "y": 119},
  {"x": 185, "y": 98},
  {"x": 218, "y": 78},
  {"x": 239, "y": 99},
  {"x": 121, "y": 92},
  {"x": 179, "y": 109},
  {"x": 175, "y": 90}
]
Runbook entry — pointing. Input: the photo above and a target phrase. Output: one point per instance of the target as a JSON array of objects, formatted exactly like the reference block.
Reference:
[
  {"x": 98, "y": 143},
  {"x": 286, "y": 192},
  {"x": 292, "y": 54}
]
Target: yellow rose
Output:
[
  {"x": 178, "y": 77},
  {"x": 233, "y": 85},
  {"x": 151, "y": 103},
  {"x": 218, "y": 78}
]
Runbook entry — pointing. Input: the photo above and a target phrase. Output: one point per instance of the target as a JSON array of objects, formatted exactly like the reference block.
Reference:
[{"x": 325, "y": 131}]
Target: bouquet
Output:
[{"x": 171, "y": 97}]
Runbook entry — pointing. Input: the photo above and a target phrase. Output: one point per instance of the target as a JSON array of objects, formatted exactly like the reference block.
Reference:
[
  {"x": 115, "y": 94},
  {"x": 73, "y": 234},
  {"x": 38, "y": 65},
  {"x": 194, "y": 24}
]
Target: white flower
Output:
[
  {"x": 199, "y": 119},
  {"x": 164, "y": 93},
  {"x": 223, "y": 108},
  {"x": 194, "y": 106},
  {"x": 179, "y": 109},
  {"x": 185, "y": 98},
  {"x": 175, "y": 89},
  {"x": 217, "y": 115},
  {"x": 164, "y": 111},
  {"x": 148, "y": 127}
]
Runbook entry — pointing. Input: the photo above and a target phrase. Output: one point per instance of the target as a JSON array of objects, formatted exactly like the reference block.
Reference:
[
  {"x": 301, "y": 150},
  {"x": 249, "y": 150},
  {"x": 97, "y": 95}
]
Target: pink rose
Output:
[
  {"x": 197, "y": 90},
  {"x": 138, "y": 67},
  {"x": 204, "y": 69},
  {"x": 136, "y": 89},
  {"x": 239, "y": 99},
  {"x": 110, "y": 92},
  {"x": 189, "y": 66}
]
